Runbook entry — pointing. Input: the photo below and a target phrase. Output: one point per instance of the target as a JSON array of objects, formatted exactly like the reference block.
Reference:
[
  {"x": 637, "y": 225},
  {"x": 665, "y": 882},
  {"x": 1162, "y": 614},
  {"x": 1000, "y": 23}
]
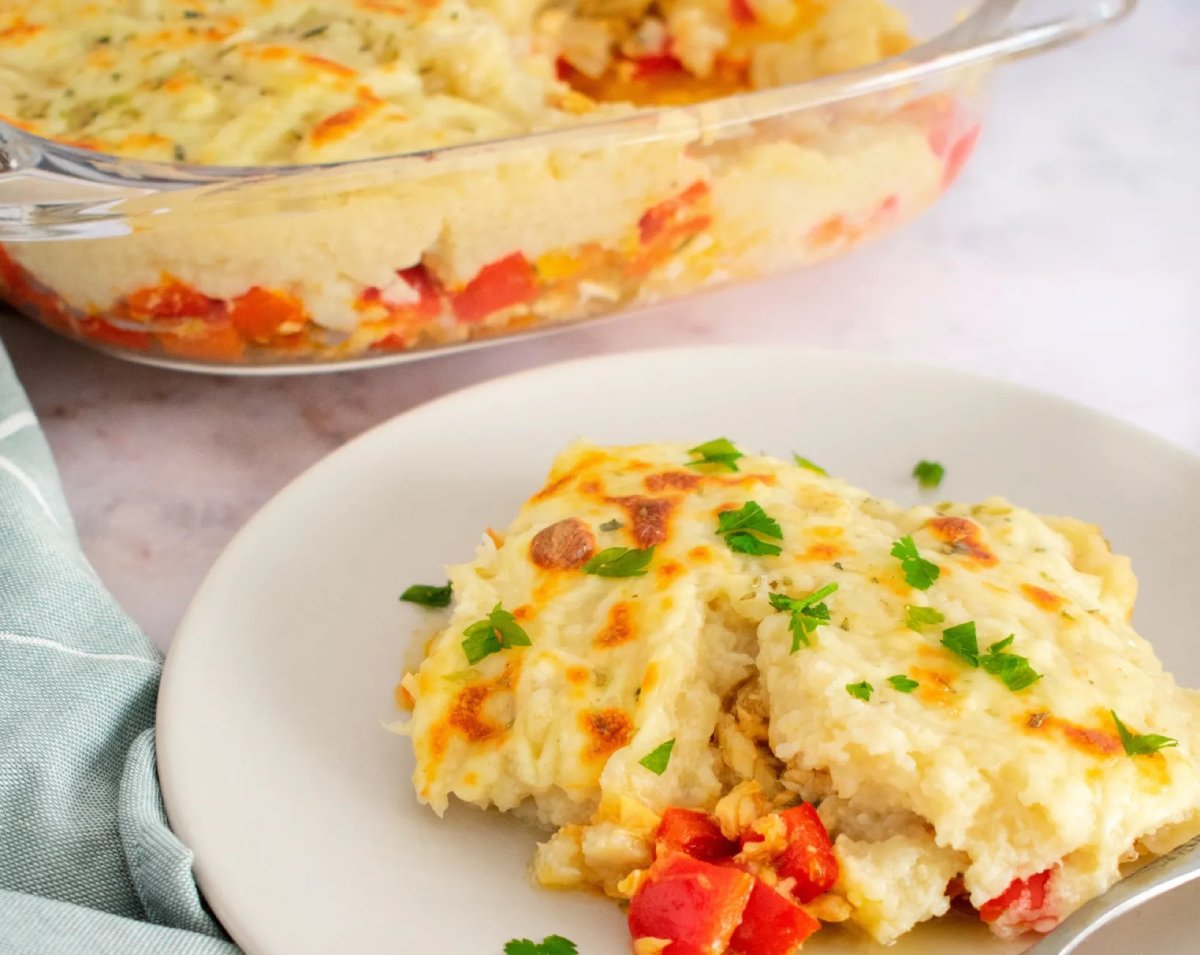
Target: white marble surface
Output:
[{"x": 1067, "y": 258}]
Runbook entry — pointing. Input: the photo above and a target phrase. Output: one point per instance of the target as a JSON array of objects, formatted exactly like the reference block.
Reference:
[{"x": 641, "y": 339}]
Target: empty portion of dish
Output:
[
  {"x": 450, "y": 246},
  {"x": 671, "y": 653}
]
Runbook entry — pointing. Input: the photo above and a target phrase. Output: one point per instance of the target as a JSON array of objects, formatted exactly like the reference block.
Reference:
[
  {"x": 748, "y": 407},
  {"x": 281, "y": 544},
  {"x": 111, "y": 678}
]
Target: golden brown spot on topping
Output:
[
  {"x": 548, "y": 588},
  {"x": 524, "y": 612},
  {"x": 826, "y": 532},
  {"x": 404, "y": 699},
  {"x": 620, "y": 627},
  {"x": 649, "y": 517},
  {"x": 668, "y": 570},
  {"x": 565, "y": 545},
  {"x": 496, "y": 536},
  {"x": 962, "y": 535},
  {"x": 20, "y": 30},
  {"x": 591, "y": 486},
  {"x": 825, "y": 552},
  {"x": 585, "y": 462},
  {"x": 650, "y": 678},
  {"x": 1097, "y": 742},
  {"x": 674, "y": 480},
  {"x": 342, "y": 123},
  {"x": 577, "y": 675},
  {"x": 470, "y": 779},
  {"x": 700, "y": 552},
  {"x": 1041, "y": 598},
  {"x": 466, "y": 713},
  {"x": 936, "y": 689},
  {"x": 607, "y": 731},
  {"x": 743, "y": 480}
]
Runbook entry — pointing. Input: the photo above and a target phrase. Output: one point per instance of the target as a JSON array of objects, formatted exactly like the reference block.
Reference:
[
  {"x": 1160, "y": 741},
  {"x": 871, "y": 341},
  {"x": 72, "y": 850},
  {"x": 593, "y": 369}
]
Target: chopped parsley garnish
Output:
[
  {"x": 860, "y": 691},
  {"x": 498, "y": 631},
  {"x": 1013, "y": 671},
  {"x": 962, "y": 640},
  {"x": 550, "y": 945},
  {"x": 744, "y": 529},
  {"x": 657, "y": 759},
  {"x": 808, "y": 613},
  {"x": 929, "y": 474},
  {"x": 719, "y": 452},
  {"x": 916, "y": 617},
  {"x": 613, "y": 525},
  {"x": 620, "y": 562},
  {"x": 1137, "y": 744},
  {"x": 805, "y": 463},
  {"x": 902, "y": 683},
  {"x": 428, "y": 595},
  {"x": 918, "y": 571}
]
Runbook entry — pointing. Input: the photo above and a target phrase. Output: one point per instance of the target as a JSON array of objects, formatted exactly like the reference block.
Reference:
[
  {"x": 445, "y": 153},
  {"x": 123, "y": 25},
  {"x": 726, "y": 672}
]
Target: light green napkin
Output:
[{"x": 88, "y": 865}]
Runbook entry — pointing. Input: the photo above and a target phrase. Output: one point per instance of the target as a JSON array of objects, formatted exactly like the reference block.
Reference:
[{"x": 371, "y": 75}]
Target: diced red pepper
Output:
[
  {"x": 809, "y": 857},
  {"x": 259, "y": 313},
  {"x": 429, "y": 303},
  {"x": 657, "y": 218},
  {"x": 771, "y": 924},
  {"x": 218, "y": 343},
  {"x": 694, "y": 833},
  {"x": 1023, "y": 897},
  {"x": 959, "y": 152},
  {"x": 740, "y": 11},
  {"x": 500, "y": 284},
  {"x": 172, "y": 300},
  {"x": 99, "y": 330},
  {"x": 694, "y": 904},
  {"x": 656, "y": 64}
]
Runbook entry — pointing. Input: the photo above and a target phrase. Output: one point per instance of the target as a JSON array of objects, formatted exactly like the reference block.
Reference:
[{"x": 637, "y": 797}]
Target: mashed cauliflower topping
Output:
[
  {"x": 988, "y": 772},
  {"x": 449, "y": 247}
]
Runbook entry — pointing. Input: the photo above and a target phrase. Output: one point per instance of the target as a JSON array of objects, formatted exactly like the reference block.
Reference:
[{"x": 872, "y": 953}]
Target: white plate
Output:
[{"x": 274, "y": 762}]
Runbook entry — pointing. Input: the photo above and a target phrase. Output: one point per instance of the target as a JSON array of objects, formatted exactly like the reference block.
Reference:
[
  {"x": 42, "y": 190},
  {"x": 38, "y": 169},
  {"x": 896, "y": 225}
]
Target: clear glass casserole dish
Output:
[{"x": 288, "y": 268}]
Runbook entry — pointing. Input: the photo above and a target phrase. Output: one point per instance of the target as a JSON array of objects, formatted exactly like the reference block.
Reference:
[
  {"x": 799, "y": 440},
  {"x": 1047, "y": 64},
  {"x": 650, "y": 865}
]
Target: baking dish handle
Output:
[{"x": 1009, "y": 31}]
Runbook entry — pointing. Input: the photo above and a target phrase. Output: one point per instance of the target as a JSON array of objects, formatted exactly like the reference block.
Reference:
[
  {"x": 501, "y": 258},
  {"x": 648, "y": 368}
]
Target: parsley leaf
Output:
[
  {"x": 428, "y": 595},
  {"x": 1137, "y": 744},
  {"x": 744, "y": 529},
  {"x": 1014, "y": 671},
  {"x": 613, "y": 525},
  {"x": 918, "y": 571},
  {"x": 929, "y": 474},
  {"x": 902, "y": 683},
  {"x": 498, "y": 631},
  {"x": 550, "y": 945},
  {"x": 860, "y": 691},
  {"x": 719, "y": 452},
  {"x": 656, "y": 760},
  {"x": 808, "y": 613},
  {"x": 620, "y": 562},
  {"x": 805, "y": 463},
  {"x": 962, "y": 640},
  {"x": 915, "y": 617}
]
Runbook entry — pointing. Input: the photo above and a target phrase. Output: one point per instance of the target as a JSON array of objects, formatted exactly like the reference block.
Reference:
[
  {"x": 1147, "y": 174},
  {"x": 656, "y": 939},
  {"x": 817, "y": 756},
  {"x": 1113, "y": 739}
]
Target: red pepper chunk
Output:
[
  {"x": 656, "y": 64},
  {"x": 501, "y": 284},
  {"x": 658, "y": 218},
  {"x": 693, "y": 833},
  {"x": 741, "y": 12},
  {"x": 809, "y": 857},
  {"x": 771, "y": 924},
  {"x": 429, "y": 302},
  {"x": 695, "y": 905},
  {"x": 172, "y": 300},
  {"x": 1023, "y": 897}
]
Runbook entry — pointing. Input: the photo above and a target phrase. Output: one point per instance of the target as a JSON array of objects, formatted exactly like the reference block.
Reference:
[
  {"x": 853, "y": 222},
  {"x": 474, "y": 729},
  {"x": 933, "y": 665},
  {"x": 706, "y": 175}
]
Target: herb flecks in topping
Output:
[
  {"x": 719, "y": 452},
  {"x": 805, "y": 463},
  {"x": 498, "y": 631},
  {"x": 902, "y": 683},
  {"x": 1138, "y": 744},
  {"x": 613, "y": 525},
  {"x": 745, "y": 528},
  {"x": 860, "y": 691},
  {"x": 916, "y": 617},
  {"x": 550, "y": 945},
  {"x": 929, "y": 474},
  {"x": 427, "y": 595},
  {"x": 1013, "y": 670},
  {"x": 657, "y": 759},
  {"x": 807, "y": 613},
  {"x": 620, "y": 562},
  {"x": 919, "y": 572}
]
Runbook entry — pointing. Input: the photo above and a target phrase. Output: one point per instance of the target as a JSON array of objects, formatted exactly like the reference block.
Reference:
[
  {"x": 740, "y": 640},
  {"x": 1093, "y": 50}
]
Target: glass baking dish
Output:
[{"x": 296, "y": 268}]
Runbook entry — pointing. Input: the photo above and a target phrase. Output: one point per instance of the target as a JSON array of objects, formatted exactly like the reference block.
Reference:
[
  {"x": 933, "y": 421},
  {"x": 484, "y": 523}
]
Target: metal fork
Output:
[{"x": 1168, "y": 872}]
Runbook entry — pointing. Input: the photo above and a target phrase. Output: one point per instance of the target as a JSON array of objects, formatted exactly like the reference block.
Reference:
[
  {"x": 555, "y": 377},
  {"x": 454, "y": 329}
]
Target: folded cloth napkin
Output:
[{"x": 88, "y": 865}]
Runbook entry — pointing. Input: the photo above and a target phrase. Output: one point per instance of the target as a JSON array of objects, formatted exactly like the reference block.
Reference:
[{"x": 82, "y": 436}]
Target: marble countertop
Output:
[{"x": 1066, "y": 258}]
